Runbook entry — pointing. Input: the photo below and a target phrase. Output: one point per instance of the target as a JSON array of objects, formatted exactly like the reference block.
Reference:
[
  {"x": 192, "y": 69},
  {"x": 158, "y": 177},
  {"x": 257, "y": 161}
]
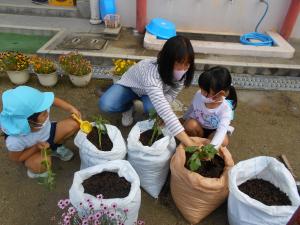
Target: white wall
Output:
[
  {"x": 237, "y": 16},
  {"x": 296, "y": 31}
]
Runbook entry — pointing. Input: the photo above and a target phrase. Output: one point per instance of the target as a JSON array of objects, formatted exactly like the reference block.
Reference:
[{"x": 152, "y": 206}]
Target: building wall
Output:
[
  {"x": 238, "y": 16},
  {"x": 296, "y": 31}
]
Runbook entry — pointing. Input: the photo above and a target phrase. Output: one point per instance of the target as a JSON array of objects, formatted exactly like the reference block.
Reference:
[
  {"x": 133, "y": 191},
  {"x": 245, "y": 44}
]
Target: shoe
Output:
[
  {"x": 40, "y": 2},
  {"x": 138, "y": 106},
  {"x": 127, "y": 118},
  {"x": 63, "y": 153},
  {"x": 33, "y": 175}
]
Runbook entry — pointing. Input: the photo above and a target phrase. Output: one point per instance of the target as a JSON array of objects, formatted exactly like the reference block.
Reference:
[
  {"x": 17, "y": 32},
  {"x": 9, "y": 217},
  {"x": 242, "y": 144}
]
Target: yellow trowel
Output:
[{"x": 85, "y": 126}]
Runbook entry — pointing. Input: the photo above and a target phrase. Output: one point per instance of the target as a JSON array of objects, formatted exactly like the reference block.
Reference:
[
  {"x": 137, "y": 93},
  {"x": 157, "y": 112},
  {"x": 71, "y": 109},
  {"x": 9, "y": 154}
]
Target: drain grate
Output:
[
  {"x": 261, "y": 82},
  {"x": 240, "y": 81}
]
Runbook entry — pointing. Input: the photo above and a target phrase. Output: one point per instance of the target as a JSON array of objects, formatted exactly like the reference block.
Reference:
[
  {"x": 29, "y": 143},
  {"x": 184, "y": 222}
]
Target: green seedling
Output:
[
  {"x": 101, "y": 128},
  {"x": 156, "y": 126},
  {"x": 206, "y": 152},
  {"x": 49, "y": 180}
]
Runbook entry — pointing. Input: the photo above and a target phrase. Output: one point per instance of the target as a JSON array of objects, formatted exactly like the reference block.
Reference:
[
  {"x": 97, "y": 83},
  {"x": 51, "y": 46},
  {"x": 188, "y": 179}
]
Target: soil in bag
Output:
[
  {"x": 145, "y": 137},
  {"x": 265, "y": 192},
  {"x": 106, "y": 144},
  {"x": 209, "y": 168},
  {"x": 109, "y": 184}
]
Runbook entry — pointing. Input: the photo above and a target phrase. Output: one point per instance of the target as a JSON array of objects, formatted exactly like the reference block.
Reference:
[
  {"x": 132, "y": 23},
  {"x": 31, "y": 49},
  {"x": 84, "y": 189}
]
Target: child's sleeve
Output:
[
  {"x": 222, "y": 129},
  {"x": 14, "y": 144}
]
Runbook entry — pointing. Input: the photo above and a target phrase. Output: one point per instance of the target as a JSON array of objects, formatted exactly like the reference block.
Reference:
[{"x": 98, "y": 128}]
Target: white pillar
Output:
[{"x": 95, "y": 12}]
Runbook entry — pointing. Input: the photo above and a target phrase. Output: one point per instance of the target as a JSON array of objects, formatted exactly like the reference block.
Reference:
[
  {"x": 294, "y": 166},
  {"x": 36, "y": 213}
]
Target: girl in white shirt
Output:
[{"x": 211, "y": 111}]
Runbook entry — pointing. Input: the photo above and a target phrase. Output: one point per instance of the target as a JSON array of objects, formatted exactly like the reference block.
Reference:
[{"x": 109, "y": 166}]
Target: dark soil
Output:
[
  {"x": 145, "y": 137},
  {"x": 106, "y": 142},
  {"x": 109, "y": 184},
  {"x": 209, "y": 168},
  {"x": 264, "y": 192}
]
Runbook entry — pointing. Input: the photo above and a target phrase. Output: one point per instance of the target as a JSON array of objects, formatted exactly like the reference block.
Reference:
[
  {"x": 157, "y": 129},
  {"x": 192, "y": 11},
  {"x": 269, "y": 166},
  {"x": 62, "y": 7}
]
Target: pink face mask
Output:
[{"x": 178, "y": 74}]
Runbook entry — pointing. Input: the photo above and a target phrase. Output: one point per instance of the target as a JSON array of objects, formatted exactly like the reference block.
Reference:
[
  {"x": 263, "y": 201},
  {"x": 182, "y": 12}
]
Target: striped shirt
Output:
[{"x": 144, "y": 79}]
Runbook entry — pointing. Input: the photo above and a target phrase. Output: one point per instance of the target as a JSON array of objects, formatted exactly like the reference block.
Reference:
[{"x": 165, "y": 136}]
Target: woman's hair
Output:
[
  {"x": 176, "y": 49},
  {"x": 218, "y": 79}
]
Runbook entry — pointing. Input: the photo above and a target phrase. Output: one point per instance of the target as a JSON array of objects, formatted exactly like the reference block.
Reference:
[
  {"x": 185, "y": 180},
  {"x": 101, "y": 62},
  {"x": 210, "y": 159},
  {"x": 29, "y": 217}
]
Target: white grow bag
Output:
[
  {"x": 151, "y": 163},
  {"x": 244, "y": 210},
  {"x": 132, "y": 202},
  {"x": 91, "y": 156}
]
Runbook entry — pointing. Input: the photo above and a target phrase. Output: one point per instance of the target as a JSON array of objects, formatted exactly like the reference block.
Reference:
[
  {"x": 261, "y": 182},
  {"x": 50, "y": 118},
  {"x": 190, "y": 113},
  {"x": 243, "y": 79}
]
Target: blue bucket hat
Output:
[{"x": 20, "y": 103}]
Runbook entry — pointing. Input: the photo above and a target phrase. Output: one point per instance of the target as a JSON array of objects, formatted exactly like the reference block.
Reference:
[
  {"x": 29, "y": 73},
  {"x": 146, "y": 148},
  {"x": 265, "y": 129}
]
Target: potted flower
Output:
[
  {"x": 120, "y": 67},
  {"x": 264, "y": 192},
  {"x": 16, "y": 65},
  {"x": 150, "y": 149},
  {"x": 77, "y": 67},
  {"x": 45, "y": 70},
  {"x": 103, "y": 143},
  {"x": 106, "y": 214},
  {"x": 199, "y": 179},
  {"x": 113, "y": 183}
]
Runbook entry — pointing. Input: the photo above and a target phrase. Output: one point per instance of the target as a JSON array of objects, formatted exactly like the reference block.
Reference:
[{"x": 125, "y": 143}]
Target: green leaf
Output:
[
  {"x": 191, "y": 149},
  {"x": 195, "y": 164},
  {"x": 209, "y": 150},
  {"x": 152, "y": 114}
]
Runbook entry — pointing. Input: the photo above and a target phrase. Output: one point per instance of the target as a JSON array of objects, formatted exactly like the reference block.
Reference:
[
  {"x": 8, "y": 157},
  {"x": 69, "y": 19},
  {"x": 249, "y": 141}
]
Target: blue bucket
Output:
[
  {"x": 107, "y": 7},
  {"x": 161, "y": 28}
]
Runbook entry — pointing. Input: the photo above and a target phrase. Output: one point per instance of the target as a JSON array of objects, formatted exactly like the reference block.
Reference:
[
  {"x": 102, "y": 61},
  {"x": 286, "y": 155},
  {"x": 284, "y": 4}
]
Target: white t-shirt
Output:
[
  {"x": 19, "y": 143},
  {"x": 218, "y": 118}
]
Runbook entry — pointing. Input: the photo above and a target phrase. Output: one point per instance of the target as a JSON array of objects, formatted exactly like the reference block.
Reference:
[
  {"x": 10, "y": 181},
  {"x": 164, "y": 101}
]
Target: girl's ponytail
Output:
[{"x": 232, "y": 96}]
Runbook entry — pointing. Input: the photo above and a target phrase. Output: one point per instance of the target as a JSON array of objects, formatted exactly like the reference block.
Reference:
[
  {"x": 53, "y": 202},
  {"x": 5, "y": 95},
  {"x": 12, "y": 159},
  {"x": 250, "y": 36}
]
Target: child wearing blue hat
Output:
[{"x": 25, "y": 122}]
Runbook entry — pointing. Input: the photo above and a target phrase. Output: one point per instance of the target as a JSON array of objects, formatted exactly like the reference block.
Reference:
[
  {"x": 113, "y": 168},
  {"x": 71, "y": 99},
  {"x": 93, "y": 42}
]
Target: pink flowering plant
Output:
[
  {"x": 75, "y": 64},
  {"x": 107, "y": 215}
]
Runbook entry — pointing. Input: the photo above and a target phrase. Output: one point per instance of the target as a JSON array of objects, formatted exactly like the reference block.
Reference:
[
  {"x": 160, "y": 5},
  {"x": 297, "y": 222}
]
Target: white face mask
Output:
[
  {"x": 210, "y": 100},
  {"x": 39, "y": 125},
  {"x": 178, "y": 74}
]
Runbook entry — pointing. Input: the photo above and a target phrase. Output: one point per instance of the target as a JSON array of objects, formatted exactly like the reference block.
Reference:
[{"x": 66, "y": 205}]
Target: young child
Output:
[
  {"x": 211, "y": 111},
  {"x": 25, "y": 122}
]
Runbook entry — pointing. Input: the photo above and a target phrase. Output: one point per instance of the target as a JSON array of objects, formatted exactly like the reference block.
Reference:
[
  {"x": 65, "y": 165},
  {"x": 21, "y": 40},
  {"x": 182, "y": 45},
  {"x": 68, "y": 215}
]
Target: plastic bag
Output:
[
  {"x": 151, "y": 163},
  {"x": 91, "y": 156},
  {"x": 245, "y": 210},
  {"x": 132, "y": 202}
]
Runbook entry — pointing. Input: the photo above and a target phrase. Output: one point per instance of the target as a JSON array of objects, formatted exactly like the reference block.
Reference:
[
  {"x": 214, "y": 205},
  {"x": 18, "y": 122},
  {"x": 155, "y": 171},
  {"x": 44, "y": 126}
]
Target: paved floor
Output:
[{"x": 267, "y": 123}]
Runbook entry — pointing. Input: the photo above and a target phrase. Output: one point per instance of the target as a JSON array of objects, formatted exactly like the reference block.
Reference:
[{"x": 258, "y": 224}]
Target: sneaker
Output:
[
  {"x": 63, "y": 153},
  {"x": 33, "y": 175},
  {"x": 127, "y": 118},
  {"x": 138, "y": 106}
]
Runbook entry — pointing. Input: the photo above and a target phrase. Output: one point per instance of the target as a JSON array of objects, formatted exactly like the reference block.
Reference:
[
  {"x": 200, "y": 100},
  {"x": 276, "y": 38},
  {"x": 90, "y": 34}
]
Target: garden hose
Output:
[{"x": 262, "y": 39}]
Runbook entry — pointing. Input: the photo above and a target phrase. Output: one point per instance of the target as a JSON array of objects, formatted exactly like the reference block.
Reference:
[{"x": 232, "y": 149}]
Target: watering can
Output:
[{"x": 85, "y": 126}]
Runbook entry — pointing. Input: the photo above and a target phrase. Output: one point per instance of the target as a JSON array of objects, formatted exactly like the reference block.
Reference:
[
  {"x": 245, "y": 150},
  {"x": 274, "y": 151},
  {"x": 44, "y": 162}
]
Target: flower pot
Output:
[
  {"x": 47, "y": 80},
  {"x": 18, "y": 77},
  {"x": 80, "y": 81}
]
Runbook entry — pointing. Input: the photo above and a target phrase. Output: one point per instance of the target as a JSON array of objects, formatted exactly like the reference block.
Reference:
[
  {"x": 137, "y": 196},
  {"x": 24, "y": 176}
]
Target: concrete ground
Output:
[{"x": 266, "y": 123}]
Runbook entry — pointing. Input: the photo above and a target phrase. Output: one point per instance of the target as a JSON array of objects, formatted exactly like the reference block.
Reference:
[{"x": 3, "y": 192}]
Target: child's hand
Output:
[
  {"x": 43, "y": 145},
  {"x": 75, "y": 111}
]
